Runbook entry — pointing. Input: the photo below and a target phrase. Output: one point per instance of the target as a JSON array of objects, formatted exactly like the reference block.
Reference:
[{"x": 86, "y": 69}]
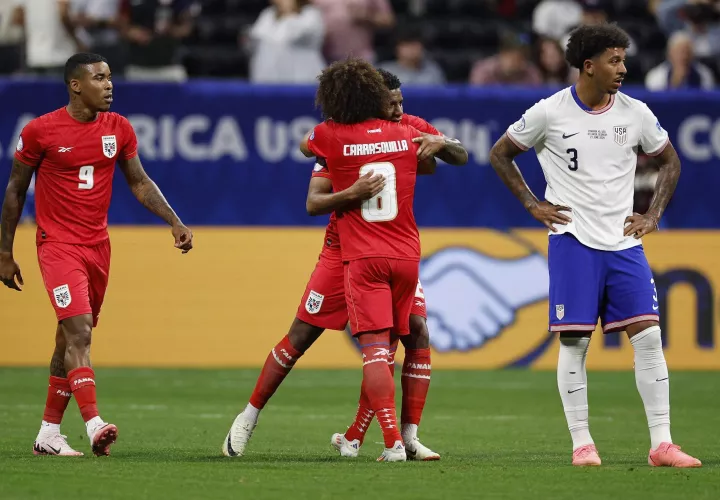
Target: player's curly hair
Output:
[
  {"x": 392, "y": 82},
  {"x": 352, "y": 91},
  {"x": 587, "y": 42}
]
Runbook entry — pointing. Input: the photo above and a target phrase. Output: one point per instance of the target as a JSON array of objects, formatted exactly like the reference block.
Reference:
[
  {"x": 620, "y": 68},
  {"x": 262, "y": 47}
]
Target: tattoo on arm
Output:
[
  {"x": 454, "y": 153},
  {"x": 667, "y": 181},
  {"x": 146, "y": 191},
  {"x": 15, "y": 194},
  {"x": 502, "y": 160}
]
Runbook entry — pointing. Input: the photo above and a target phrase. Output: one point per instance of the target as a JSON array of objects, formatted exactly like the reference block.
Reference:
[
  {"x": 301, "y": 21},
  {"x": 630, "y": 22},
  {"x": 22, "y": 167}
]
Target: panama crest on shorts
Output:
[
  {"x": 62, "y": 296},
  {"x": 314, "y": 302}
]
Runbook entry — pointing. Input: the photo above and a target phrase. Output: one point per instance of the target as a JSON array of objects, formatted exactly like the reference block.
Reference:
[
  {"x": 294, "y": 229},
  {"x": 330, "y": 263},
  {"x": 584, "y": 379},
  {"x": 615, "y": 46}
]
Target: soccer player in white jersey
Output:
[{"x": 587, "y": 138}]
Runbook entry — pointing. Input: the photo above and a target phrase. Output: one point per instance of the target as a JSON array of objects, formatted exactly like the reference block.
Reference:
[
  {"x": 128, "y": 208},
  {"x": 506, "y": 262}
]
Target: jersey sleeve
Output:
[
  {"x": 653, "y": 138},
  {"x": 130, "y": 145},
  {"x": 530, "y": 128},
  {"x": 422, "y": 125},
  {"x": 320, "y": 169},
  {"x": 318, "y": 141},
  {"x": 30, "y": 149}
]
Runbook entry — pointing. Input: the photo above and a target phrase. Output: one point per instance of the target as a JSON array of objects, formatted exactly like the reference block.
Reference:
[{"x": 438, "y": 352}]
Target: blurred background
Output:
[{"x": 220, "y": 92}]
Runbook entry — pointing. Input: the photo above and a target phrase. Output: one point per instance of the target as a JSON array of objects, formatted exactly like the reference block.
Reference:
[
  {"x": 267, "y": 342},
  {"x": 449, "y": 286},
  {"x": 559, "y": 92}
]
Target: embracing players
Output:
[
  {"x": 73, "y": 152},
  {"x": 586, "y": 138},
  {"x": 323, "y": 304}
]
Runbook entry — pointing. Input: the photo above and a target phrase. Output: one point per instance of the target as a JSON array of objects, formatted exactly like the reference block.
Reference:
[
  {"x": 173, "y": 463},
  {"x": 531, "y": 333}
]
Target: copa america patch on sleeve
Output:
[
  {"x": 314, "y": 302},
  {"x": 19, "y": 146}
]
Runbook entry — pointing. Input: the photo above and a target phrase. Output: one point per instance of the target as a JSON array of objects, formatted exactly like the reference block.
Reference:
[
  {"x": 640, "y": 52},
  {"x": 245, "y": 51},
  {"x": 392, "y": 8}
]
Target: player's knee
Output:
[
  {"x": 303, "y": 335},
  {"x": 419, "y": 337}
]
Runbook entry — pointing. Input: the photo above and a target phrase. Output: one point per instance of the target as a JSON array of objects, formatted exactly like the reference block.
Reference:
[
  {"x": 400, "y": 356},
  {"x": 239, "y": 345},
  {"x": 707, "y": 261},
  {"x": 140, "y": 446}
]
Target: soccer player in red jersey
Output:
[
  {"x": 73, "y": 152},
  {"x": 323, "y": 305}
]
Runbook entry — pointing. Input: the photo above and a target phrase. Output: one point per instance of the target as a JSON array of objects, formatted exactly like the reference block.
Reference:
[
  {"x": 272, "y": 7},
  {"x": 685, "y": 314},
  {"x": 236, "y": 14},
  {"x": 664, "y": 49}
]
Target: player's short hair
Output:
[
  {"x": 392, "y": 82},
  {"x": 587, "y": 42},
  {"x": 352, "y": 91},
  {"x": 77, "y": 62}
]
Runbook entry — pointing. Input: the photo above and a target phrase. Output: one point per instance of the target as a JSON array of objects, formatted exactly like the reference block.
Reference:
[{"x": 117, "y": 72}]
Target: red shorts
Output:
[
  {"x": 75, "y": 277},
  {"x": 323, "y": 303},
  {"x": 380, "y": 293}
]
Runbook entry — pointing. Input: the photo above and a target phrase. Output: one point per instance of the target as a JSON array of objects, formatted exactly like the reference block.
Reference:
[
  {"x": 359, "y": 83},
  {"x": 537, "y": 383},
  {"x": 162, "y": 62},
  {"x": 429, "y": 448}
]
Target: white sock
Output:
[
  {"x": 251, "y": 413},
  {"x": 409, "y": 432},
  {"x": 572, "y": 384},
  {"x": 92, "y": 424},
  {"x": 651, "y": 378},
  {"x": 48, "y": 428}
]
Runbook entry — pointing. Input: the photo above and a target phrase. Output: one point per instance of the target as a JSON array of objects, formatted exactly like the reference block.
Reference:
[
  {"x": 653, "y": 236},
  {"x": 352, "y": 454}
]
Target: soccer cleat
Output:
[
  {"x": 237, "y": 438},
  {"x": 102, "y": 438},
  {"x": 586, "y": 455},
  {"x": 55, "y": 445},
  {"x": 346, "y": 448},
  {"x": 394, "y": 454},
  {"x": 415, "y": 450},
  {"x": 669, "y": 455}
]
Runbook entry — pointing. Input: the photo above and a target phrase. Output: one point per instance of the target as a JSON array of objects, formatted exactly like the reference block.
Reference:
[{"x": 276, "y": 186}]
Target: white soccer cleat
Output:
[
  {"x": 346, "y": 448},
  {"x": 415, "y": 450},
  {"x": 395, "y": 454},
  {"x": 238, "y": 436},
  {"x": 54, "y": 444}
]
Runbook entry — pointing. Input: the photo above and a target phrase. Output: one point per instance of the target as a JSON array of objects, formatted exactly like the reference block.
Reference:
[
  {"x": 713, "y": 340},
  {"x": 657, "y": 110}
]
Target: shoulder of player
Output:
[
  {"x": 629, "y": 102},
  {"x": 115, "y": 118}
]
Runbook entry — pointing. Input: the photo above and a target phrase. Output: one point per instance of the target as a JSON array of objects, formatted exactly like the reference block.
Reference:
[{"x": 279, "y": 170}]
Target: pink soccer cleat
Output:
[
  {"x": 104, "y": 436},
  {"x": 586, "y": 455},
  {"x": 669, "y": 455}
]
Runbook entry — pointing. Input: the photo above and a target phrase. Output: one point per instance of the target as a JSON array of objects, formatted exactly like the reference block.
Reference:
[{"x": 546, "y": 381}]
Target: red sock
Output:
[
  {"x": 57, "y": 400},
  {"x": 365, "y": 414},
  {"x": 415, "y": 384},
  {"x": 82, "y": 384},
  {"x": 379, "y": 384},
  {"x": 277, "y": 365}
]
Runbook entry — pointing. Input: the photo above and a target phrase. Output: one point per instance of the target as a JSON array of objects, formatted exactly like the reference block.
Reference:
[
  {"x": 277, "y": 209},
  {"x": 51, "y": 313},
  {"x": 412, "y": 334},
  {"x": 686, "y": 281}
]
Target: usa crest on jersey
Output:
[
  {"x": 314, "y": 302},
  {"x": 560, "y": 311},
  {"x": 621, "y": 135},
  {"x": 109, "y": 145}
]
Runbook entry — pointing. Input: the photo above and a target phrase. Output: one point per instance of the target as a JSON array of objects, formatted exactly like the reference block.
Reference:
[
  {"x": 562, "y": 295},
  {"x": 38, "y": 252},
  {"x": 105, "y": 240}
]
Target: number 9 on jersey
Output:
[{"x": 382, "y": 207}]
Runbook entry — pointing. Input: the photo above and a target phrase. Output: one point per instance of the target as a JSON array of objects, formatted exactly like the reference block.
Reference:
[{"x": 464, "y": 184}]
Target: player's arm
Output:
[
  {"x": 451, "y": 151},
  {"x": 669, "y": 163},
  {"x": 15, "y": 193},
  {"x": 147, "y": 193},
  {"x": 304, "y": 149},
  {"x": 427, "y": 166},
  {"x": 321, "y": 200},
  {"x": 502, "y": 159}
]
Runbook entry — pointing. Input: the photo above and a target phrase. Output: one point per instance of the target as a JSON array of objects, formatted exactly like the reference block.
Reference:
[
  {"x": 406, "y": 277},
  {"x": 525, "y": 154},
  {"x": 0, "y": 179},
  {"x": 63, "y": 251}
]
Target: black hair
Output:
[
  {"x": 392, "y": 82},
  {"x": 587, "y": 42},
  {"x": 77, "y": 62}
]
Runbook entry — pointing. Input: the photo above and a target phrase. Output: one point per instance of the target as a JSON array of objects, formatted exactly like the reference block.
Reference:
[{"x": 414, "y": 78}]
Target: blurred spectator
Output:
[
  {"x": 667, "y": 14},
  {"x": 551, "y": 61},
  {"x": 596, "y": 12},
  {"x": 412, "y": 65},
  {"x": 97, "y": 24},
  {"x": 286, "y": 42},
  {"x": 351, "y": 26},
  {"x": 154, "y": 30},
  {"x": 680, "y": 70},
  {"x": 49, "y": 36},
  {"x": 511, "y": 66},
  {"x": 703, "y": 27},
  {"x": 554, "y": 18},
  {"x": 11, "y": 35}
]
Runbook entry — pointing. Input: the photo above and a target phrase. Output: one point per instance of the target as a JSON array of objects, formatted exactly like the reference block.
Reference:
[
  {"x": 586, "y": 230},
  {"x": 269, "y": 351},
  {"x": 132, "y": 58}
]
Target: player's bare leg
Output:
[
  {"x": 651, "y": 378},
  {"x": 78, "y": 337},
  {"x": 278, "y": 364},
  {"x": 49, "y": 441},
  {"x": 572, "y": 384}
]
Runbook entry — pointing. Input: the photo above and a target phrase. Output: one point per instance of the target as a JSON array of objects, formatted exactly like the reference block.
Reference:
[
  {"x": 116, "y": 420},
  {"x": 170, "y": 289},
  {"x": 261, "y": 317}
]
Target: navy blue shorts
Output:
[{"x": 618, "y": 287}]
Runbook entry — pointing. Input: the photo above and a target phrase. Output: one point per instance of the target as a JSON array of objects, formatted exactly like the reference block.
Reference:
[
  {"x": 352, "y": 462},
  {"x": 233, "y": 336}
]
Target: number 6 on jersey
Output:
[{"x": 382, "y": 207}]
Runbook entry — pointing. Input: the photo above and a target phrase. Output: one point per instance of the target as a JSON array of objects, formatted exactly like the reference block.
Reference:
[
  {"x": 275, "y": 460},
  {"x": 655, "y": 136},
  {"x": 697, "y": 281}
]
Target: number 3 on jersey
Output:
[
  {"x": 382, "y": 207},
  {"x": 87, "y": 178},
  {"x": 573, "y": 158}
]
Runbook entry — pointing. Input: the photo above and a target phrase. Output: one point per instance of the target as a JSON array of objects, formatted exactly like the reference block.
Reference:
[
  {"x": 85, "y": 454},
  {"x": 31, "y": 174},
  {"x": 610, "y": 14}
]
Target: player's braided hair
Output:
[
  {"x": 392, "y": 82},
  {"x": 78, "y": 61},
  {"x": 587, "y": 42},
  {"x": 352, "y": 91}
]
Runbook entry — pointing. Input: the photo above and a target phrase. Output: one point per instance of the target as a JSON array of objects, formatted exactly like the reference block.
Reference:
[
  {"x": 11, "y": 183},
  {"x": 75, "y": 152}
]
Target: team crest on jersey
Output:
[
  {"x": 109, "y": 145},
  {"x": 560, "y": 311},
  {"x": 62, "y": 296},
  {"x": 519, "y": 125},
  {"x": 621, "y": 135},
  {"x": 314, "y": 302}
]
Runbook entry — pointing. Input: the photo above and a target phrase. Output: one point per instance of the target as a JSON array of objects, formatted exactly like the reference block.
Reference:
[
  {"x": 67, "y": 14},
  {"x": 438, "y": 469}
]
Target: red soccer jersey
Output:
[
  {"x": 419, "y": 124},
  {"x": 385, "y": 225},
  {"x": 75, "y": 164}
]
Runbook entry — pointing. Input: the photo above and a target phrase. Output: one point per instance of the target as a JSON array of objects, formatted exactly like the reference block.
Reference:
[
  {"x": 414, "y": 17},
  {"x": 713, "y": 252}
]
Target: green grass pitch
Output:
[{"x": 502, "y": 435}]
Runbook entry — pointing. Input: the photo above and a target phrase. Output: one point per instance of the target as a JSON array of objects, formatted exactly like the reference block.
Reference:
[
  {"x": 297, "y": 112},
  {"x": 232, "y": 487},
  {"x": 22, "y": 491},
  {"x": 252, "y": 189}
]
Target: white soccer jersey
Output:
[{"x": 589, "y": 159}]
